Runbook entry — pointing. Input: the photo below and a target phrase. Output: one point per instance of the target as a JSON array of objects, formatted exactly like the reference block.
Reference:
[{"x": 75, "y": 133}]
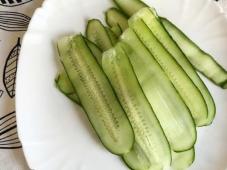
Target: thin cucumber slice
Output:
[
  {"x": 129, "y": 7},
  {"x": 146, "y": 127},
  {"x": 115, "y": 17},
  {"x": 97, "y": 53},
  {"x": 201, "y": 60},
  {"x": 97, "y": 34},
  {"x": 137, "y": 159},
  {"x": 171, "y": 111},
  {"x": 64, "y": 85},
  {"x": 62, "y": 81},
  {"x": 183, "y": 84},
  {"x": 150, "y": 18},
  {"x": 112, "y": 36},
  {"x": 116, "y": 30},
  {"x": 73, "y": 97},
  {"x": 96, "y": 95},
  {"x": 182, "y": 160}
]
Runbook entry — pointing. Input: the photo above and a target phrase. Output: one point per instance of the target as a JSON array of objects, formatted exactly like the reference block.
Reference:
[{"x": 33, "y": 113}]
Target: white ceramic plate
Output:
[{"x": 55, "y": 133}]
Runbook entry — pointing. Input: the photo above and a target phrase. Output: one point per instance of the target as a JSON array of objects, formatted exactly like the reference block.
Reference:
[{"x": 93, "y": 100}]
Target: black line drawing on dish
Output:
[
  {"x": 10, "y": 69},
  {"x": 1, "y": 93},
  {"x": 8, "y": 132},
  {"x": 13, "y": 21},
  {"x": 13, "y": 3}
]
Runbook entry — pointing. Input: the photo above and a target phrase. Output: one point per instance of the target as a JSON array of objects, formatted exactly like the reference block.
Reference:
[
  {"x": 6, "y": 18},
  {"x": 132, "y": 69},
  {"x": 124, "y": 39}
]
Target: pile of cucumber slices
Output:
[{"x": 137, "y": 82}]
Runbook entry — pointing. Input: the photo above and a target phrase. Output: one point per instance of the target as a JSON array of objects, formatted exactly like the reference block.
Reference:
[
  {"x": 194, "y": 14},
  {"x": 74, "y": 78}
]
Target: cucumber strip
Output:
[
  {"x": 171, "y": 111},
  {"x": 202, "y": 61},
  {"x": 62, "y": 81},
  {"x": 183, "y": 160},
  {"x": 116, "y": 30},
  {"x": 97, "y": 53},
  {"x": 129, "y": 7},
  {"x": 146, "y": 127},
  {"x": 115, "y": 17},
  {"x": 112, "y": 36},
  {"x": 97, "y": 34},
  {"x": 183, "y": 84},
  {"x": 64, "y": 85},
  {"x": 96, "y": 95},
  {"x": 150, "y": 18},
  {"x": 73, "y": 97},
  {"x": 136, "y": 158}
]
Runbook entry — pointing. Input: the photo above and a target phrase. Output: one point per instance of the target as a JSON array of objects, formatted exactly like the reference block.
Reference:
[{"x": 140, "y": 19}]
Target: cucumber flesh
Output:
[
  {"x": 64, "y": 85},
  {"x": 202, "y": 61},
  {"x": 97, "y": 53},
  {"x": 137, "y": 159},
  {"x": 116, "y": 30},
  {"x": 97, "y": 34},
  {"x": 113, "y": 38},
  {"x": 148, "y": 132},
  {"x": 182, "y": 160},
  {"x": 151, "y": 19},
  {"x": 62, "y": 81},
  {"x": 183, "y": 84},
  {"x": 105, "y": 113},
  {"x": 115, "y": 17},
  {"x": 171, "y": 111},
  {"x": 129, "y": 7}
]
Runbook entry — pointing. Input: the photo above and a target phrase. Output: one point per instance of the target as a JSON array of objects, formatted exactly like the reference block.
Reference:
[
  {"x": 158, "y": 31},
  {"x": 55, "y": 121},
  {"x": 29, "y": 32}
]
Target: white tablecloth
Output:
[{"x": 14, "y": 19}]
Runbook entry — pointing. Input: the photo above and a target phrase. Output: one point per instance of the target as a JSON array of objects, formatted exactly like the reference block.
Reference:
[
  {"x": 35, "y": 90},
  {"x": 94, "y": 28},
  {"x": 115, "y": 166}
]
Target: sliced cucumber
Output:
[
  {"x": 113, "y": 38},
  {"x": 185, "y": 87},
  {"x": 64, "y": 85},
  {"x": 115, "y": 17},
  {"x": 147, "y": 130},
  {"x": 150, "y": 18},
  {"x": 182, "y": 160},
  {"x": 129, "y": 7},
  {"x": 96, "y": 95},
  {"x": 137, "y": 159},
  {"x": 63, "y": 82},
  {"x": 97, "y": 53},
  {"x": 171, "y": 111},
  {"x": 116, "y": 30},
  {"x": 202, "y": 61},
  {"x": 97, "y": 34}
]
